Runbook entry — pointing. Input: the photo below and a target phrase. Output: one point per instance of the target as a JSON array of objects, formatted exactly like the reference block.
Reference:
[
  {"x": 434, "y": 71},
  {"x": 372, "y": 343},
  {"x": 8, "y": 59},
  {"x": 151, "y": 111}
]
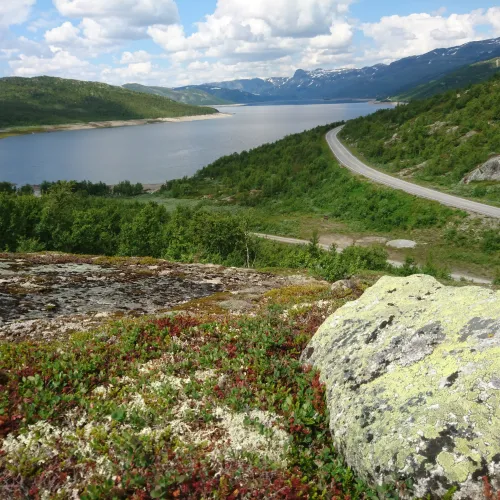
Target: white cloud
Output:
[
  {"x": 105, "y": 25},
  {"x": 60, "y": 64},
  {"x": 136, "y": 12},
  {"x": 15, "y": 11},
  {"x": 170, "y": 38},
  {"x": 492, "y": 17},
  {"x": 259, "y": 30},
  {"x": 340, "y": 36},
  {"x": 64, "y": 34},
  {"x": 132, "y": 71},
  {"x": 402, "y": 36},
  {"x": 295, "y": 18},
  {"x": 140, "y": 56}
]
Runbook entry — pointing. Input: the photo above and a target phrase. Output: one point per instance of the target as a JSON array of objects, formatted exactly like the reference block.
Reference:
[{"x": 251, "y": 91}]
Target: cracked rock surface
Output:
[
  {"x": 412, "y": 370},
  {"x": 48, "y": 296}
]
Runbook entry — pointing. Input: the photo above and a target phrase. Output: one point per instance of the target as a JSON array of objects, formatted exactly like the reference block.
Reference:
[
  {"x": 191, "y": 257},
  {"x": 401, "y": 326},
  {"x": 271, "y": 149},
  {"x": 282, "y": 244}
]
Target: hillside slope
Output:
[
  {"x": 468, "y": 75},
  {"x": 438, "y": 140},
  {"x": 191, "y": 96},
  {"x": 52, "y": 101},
  {"x": 236, "y": 96}
]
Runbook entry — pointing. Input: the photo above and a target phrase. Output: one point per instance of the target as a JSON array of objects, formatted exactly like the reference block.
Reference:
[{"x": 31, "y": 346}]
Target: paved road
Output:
[
  {"x": 346, "y": 158},
  {"x": 457, "y": 276}
]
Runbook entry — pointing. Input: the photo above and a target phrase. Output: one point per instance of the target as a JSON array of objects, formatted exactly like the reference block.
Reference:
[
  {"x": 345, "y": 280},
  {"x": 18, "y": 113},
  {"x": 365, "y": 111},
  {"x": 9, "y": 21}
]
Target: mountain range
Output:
[{"x": 373, "y": 82}]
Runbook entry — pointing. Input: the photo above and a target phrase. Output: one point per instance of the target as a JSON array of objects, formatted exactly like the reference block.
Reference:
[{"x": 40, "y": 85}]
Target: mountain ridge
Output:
[{"x": 370, "y": 82}]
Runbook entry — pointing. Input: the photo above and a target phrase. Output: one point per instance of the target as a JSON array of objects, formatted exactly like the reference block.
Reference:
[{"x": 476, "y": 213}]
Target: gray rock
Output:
[
  {"x": 468, "y": 135},
  {"x": 343, "y": 287},
  {"x": 401, "y": 244},
  {"x": 489, "y": 171},
  {"x": 412, "y": 371}
]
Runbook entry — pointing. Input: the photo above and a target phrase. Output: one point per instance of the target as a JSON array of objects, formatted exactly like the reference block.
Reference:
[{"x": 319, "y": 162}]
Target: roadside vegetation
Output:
[
  {"x": 299, "y": 174},
  {"x": 437, "y": 141},
  {"x": 55, "y": 101}
]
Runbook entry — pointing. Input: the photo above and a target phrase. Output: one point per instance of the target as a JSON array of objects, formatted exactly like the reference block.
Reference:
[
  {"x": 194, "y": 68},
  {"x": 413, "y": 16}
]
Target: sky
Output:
[{"x": 183, "y": 42}]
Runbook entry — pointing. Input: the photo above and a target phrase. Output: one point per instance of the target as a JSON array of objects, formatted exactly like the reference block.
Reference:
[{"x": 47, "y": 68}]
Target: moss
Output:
[
  {"x": 297, "y": 294},
  {"x": 206, "y": 305}
]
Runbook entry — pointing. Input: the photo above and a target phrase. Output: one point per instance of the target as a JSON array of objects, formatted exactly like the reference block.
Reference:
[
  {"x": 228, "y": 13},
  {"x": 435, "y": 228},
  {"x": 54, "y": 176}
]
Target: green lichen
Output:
[{"x": 411, "y": 370}]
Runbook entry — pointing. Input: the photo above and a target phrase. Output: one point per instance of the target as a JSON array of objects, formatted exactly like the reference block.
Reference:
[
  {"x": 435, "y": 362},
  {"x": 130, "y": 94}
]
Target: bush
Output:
[{"x": 125, "y": 188}]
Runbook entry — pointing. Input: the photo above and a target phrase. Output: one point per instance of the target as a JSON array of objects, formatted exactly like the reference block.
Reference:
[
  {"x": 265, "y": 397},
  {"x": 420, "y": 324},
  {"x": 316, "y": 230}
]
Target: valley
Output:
[{"x": 274, "y": 287}]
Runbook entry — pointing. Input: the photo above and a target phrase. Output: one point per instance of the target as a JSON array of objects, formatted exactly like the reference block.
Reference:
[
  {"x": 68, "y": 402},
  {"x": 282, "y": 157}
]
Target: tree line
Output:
[{"x": 124, "y": 188}]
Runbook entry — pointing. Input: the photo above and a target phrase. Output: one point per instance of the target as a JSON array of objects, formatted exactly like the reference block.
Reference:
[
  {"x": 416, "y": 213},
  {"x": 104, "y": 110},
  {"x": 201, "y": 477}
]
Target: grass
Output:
[{"x": 194, "y": 405}]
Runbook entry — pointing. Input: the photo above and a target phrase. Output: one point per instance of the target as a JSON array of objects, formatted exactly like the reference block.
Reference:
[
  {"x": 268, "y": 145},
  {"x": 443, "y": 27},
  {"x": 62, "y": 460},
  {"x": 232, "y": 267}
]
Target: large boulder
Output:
[
  {"x": 412, "y": 371},
  {"x": 489, "y": 171}
]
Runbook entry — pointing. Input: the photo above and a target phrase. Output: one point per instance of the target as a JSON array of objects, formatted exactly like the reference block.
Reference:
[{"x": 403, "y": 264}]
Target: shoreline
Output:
[{"x": 68, "y": 127}]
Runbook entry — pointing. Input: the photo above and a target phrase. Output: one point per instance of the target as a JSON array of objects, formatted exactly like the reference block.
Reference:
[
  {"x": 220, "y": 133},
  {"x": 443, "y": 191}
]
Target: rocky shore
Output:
[{"x": 106, "y": 124}]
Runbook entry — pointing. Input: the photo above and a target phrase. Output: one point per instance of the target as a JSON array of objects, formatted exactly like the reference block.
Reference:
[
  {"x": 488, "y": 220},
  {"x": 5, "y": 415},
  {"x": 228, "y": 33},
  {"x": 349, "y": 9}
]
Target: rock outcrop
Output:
[
  {"x": 412, "y": 371},
  {"x": 49, "y": 296},
  {"x": 489, "y": 171}
]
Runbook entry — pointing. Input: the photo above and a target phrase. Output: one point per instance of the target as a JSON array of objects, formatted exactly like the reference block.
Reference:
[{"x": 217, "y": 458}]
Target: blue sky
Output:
[{"x": 180, "y": 42}]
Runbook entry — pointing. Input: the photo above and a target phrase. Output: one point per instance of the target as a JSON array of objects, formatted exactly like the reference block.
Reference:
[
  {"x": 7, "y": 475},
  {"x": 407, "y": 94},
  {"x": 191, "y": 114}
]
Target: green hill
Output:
[
  {"x": 435, "y": 141},
  {"x": 192, "y": 96},
  {"x": 53, "y": 101},
  {"x": 468, "y": 75}
]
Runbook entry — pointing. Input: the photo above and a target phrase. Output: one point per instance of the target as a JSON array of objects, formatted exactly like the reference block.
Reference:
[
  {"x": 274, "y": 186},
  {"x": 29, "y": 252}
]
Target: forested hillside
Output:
[
  {"x": 300, "y": 173},
  {"x": 53, "y": 101},
  {"x": 468, "y": 75},
  {"x": 192, "y": 96},
  {"x": 439, "y": 140}
]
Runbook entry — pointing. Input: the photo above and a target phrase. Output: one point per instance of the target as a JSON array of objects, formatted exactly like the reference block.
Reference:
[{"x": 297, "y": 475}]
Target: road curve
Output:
[{"x": 346, "y": 158}]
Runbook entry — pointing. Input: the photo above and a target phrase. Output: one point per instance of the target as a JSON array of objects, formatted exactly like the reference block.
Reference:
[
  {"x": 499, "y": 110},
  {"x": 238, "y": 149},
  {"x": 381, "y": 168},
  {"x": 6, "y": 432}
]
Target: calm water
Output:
[{"x": 159, "y": 152}]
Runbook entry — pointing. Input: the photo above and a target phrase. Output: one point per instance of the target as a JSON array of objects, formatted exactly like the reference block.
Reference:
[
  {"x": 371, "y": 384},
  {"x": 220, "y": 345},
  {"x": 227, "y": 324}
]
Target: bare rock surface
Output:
[
  {"x": 412, "y": 370},
  {"x": 402, "y": 244},
  {"x": 489, "y": 171},
  {"x": 48, "y": 296}
]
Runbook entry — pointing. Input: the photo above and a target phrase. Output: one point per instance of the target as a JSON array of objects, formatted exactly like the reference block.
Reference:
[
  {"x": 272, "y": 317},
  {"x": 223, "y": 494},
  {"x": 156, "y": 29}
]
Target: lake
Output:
[{"x": 159, "y": 152}]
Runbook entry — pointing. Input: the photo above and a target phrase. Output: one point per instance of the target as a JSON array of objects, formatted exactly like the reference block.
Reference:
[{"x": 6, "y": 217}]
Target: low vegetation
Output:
[
  {"x": 71, "y": 222},
  {"x": 438, "y": 140},
  {"x": 194, "y": 405},
  {"x": 56, "y": 101}
]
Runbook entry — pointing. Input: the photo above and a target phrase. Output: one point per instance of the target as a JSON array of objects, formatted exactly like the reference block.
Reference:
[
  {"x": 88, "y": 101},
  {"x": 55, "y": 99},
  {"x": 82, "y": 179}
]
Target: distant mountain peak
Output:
[{"x": 380, "y": 80}]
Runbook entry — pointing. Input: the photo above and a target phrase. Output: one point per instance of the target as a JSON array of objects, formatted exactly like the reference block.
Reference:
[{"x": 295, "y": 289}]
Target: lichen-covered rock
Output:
[
  {"x": 489, "y": 171},
  {"x": 412, "y": 371}
]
